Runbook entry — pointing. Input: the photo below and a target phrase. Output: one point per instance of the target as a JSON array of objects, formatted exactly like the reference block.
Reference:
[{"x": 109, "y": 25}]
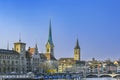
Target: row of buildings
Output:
[{"x": 19, "y": 60}]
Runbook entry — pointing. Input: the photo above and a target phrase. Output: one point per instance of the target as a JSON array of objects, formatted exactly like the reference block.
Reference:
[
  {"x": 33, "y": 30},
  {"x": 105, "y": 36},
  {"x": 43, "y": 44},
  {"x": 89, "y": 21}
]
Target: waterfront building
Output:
[
  {"x": 117, "y": 63},
  {"x": 20, "y": 60},
  {"x": 111, "y": 68},
  {"x": 51, "y": 60},
  {"x": 20, "y": 47},
  {"x": 68, "y": 64},
  {"x": 9, "y": 61}
]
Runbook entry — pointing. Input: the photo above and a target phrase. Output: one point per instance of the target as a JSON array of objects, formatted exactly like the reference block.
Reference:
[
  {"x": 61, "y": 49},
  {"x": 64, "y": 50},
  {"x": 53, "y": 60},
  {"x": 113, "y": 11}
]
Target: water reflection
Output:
[{"x": 100, "y": 79}]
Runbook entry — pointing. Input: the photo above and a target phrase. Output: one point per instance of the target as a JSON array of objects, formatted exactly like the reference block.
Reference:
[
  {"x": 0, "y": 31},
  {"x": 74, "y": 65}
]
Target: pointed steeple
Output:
[
  {"x": 50, "y": 45},
  {"x": 50, "y": 34},
  {"x": 36, "y": 48},
  {"x": 77, "y": 45}
]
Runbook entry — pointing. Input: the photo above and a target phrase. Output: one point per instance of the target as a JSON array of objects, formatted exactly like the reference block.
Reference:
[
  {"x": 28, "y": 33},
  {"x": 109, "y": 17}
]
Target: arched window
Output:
[{"x": 47, "y": 50}]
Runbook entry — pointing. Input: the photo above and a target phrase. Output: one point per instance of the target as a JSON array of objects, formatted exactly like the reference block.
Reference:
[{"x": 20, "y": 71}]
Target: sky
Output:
[{"x": 96, "y": 23}]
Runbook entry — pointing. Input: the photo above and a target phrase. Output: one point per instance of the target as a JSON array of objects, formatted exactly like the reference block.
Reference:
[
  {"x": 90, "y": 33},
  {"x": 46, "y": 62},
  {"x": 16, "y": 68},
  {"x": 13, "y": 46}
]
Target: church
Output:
[
  {"x": 19, "y": 60},
  {"x": 68, "y": 64}
]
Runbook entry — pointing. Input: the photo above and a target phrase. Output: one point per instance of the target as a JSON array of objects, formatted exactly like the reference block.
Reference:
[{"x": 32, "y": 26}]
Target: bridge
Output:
[{"x": 103, "y": 75}]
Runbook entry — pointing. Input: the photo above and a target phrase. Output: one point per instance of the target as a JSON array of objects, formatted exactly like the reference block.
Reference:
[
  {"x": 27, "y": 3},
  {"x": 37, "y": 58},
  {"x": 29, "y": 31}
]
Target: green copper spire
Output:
[
  {"x": 77, "y": 45},
  {"x": 50, "y": 34}
]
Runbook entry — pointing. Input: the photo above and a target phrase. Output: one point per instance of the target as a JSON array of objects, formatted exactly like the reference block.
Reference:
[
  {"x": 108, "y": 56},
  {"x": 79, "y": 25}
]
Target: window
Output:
[
  {"x": 17, "y": 49},
  {"x": 22, "y": 58},
  {"x": 8, "y": 62},
  {"x": 4, "y": 69},
  {"x": 47, "y": 50},
  {"x": 12, "y": 69},
  {"x": 12, "y": 62},
  {"x": 8, "y": 69},
  {"x": 3, "y": 61},
  {"x": 16, "y": 62}
]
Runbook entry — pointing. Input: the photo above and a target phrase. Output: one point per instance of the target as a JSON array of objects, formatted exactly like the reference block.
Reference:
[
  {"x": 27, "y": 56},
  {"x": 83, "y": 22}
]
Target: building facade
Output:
[
  {"x": 19, "y": 60},
  {"x": 69, "y": 64}
]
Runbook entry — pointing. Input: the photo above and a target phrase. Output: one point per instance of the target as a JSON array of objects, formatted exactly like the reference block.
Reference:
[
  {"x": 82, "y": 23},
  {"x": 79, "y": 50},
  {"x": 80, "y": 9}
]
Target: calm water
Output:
[
  {"x": 100, "y": 79},
  {"x": 89, "y": 79}
]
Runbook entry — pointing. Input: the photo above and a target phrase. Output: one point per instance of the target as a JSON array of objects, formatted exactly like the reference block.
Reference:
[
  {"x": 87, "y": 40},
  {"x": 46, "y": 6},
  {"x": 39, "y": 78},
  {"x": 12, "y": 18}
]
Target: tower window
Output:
[
  {"x": 17, "y": 49},
  {"x": 47, "y": 50}
]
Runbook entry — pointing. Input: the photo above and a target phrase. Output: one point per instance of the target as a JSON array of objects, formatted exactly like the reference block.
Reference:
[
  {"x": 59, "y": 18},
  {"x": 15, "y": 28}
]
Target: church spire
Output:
[
  {"x": 50, "y": 45},
  {"x": 36, "y": 48},
  {"x": 77, "y": 45},
  {"x": 50, "y": 34},
  {"x": 77, "y": 51}
]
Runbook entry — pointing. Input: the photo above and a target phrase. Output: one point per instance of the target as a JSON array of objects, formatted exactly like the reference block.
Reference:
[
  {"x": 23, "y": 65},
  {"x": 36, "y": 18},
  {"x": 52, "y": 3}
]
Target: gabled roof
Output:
[
  {"x": 69, "y": 61},
  {"x": 31, "y": 51}
]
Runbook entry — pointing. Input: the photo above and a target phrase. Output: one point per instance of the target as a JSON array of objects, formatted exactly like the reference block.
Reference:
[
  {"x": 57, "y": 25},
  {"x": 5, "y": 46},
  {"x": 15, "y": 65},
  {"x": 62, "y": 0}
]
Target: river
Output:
[
  {"x": 88, "y": 79},
  {"x": 100, "y": 79}
]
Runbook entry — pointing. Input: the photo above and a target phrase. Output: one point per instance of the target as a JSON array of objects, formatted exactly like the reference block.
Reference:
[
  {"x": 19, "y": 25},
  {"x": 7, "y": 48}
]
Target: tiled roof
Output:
[
  {"x": 67, "y": 61},
  {"x": 80, "y": 62},
  {"x": 4, "y": 51},
  {"x": 32, "y": 51}
]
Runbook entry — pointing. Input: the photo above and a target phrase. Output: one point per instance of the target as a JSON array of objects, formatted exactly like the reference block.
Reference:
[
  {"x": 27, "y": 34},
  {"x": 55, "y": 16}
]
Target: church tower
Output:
[
  {"x": 50, "y": 45},
  {"x": 36, "y": 49},
  {"x": 19, "y": 46},
  {"x": 77, "y": 51}
]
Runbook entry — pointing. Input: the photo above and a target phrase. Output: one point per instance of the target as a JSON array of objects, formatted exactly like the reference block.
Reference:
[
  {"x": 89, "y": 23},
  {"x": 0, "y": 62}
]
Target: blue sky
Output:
[{"x": 96, "y": 23}]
